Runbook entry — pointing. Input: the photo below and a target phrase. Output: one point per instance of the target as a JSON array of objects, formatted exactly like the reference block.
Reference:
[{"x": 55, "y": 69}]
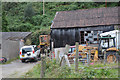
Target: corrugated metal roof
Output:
[
  {"x": 14, "y": 35},
  {"x": 86, "y": 17}
]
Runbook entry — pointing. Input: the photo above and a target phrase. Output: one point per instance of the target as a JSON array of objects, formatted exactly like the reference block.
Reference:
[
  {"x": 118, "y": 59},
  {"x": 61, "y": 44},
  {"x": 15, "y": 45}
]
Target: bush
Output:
[
  {"x": 29, "y": 12},
  {"x": 35, "y": 28},
  {"x": 37, "y": 33},
  {"x": 4, "y": 23},
  {"x": 36, "y": 20},
  {"x": 23, "y": 27}
]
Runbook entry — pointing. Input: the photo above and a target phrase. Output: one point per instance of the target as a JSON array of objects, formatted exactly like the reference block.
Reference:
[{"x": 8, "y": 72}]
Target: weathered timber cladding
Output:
[{"x": 63, "y": 36}]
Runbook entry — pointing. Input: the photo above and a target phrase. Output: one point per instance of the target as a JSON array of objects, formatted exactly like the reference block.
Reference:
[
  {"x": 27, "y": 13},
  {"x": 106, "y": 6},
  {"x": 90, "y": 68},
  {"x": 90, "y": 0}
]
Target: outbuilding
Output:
[
  {"x": 12, "y": 42},
  {"x": 83, "y": 25}
]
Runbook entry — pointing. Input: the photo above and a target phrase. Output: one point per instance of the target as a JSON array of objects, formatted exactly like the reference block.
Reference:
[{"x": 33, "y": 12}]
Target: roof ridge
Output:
[{"x": 89, "y": 9}]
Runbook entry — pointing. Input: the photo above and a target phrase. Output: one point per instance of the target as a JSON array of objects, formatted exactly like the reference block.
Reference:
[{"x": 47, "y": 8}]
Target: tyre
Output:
[
  {"x": 35, "y": 59},
  {"x": 4, "y": 60},
  {"x": 111, "y": 57},
  {"x": 23, "y": 61}
]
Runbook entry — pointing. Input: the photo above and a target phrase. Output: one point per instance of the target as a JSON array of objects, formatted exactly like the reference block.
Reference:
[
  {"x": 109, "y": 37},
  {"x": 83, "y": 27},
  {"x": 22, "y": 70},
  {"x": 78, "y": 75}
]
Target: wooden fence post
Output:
[
  {"x": 50, "y": 54},
  {"x": 87, "y": 59},
  {"x": 104, "y": 58},
  {"x": 42, "y": 74},
  {"x": 89, "y": 56},
  {"x": 45, "y": 50},
  {"x": 58, "y": 52},
  {"x": 118, "y": 57},
  {"x": 52, "y": 50},
  {"x": 76, "y": 58},
  {"x": 62, "y": 62}
]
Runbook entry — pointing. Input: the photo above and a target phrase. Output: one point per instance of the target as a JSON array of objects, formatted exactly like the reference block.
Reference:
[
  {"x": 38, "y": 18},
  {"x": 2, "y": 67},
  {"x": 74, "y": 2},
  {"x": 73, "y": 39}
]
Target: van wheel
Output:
[
  {"x": 35, "y": 59},
  {"x": 4, "y": 60},
  {"x": 22, "y": 61}
]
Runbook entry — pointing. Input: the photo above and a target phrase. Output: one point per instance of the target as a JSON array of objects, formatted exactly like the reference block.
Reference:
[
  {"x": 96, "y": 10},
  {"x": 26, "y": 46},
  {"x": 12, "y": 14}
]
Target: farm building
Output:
[
  {"x": 12, "y": 42},
  {"x": 83, "y": 25}
]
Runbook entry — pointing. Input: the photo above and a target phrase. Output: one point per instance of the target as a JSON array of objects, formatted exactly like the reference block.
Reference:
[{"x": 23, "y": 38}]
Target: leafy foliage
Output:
[
  {"x": 23, "y": 27},
  {"x": 27, "y": 16},
  {"x": 29, "y": 12},
  {"x": 5, "y": 23},
  {"x": 37, "y": 33},
  {"x": 22, "y": 13}
]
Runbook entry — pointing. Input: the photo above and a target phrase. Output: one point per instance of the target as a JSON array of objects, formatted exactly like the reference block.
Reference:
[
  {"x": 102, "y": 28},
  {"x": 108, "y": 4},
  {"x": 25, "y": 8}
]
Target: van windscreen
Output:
[{"x": 25, "y": 50}]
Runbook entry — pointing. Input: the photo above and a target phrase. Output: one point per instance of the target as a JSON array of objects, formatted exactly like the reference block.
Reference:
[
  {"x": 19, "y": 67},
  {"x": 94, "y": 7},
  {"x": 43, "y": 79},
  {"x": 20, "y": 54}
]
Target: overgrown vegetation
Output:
[
  {"x": 26, "y": 16},
  {"x": 53, "y": 70}
]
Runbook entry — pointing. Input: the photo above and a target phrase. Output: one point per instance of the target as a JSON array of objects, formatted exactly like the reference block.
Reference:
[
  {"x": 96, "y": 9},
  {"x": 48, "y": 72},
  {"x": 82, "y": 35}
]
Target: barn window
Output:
[
  {"x": 82, "y": 40},
  {"x": 88, "y": 31},
  {"x": 90, "y": 36},
  {"x": 95, "y": 39},
  {"x": 86, "y": 34}
]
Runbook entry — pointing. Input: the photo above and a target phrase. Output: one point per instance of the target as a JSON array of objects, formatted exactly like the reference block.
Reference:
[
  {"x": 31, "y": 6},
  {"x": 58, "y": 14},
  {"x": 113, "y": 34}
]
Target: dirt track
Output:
[{"x": 16, "y": 69}]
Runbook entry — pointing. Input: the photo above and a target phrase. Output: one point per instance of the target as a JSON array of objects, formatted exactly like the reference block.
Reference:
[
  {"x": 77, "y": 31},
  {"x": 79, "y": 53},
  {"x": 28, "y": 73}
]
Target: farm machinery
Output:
[
  {"x": 44, "y": 43},
  {"x": 107, "y": 49},
  {"x": 44, "y": 40}
]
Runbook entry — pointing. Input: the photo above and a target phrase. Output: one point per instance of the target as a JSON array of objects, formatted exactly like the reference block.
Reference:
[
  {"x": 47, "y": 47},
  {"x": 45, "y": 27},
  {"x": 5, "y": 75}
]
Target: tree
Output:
[
  {"x": 4, "y": 23},
  {"x": 29, "y": 12},
  {"x": 9, "y": 5},
  {"x": 23, "y": 27}
]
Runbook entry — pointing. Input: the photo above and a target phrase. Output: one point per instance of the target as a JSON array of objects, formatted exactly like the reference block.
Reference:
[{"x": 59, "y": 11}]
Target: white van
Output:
[{"x": 27, "y": 53}]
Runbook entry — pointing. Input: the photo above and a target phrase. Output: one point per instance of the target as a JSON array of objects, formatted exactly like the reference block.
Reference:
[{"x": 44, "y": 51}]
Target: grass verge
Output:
[{"x": 53, "y": 70}]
